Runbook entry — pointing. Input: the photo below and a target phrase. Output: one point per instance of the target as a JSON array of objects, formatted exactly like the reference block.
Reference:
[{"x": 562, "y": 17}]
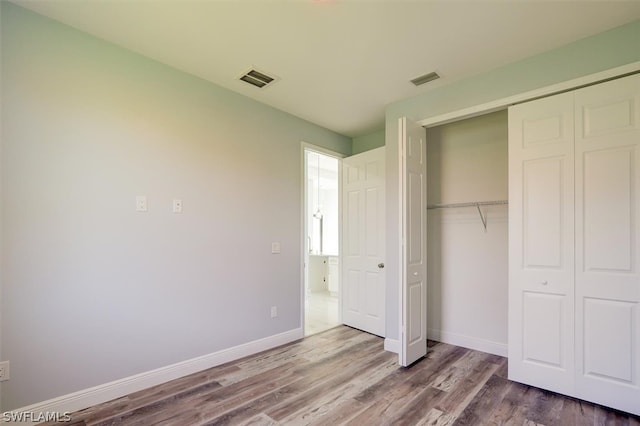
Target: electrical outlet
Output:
[
  {"x": 274, "y": 311},
  {"x": 177, "y": 205},
  {"x": 4, "y": 371}
]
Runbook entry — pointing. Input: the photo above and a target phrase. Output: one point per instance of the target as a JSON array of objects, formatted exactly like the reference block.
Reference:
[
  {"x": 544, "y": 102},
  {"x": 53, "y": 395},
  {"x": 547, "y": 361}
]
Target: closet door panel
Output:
[
  {"x": 609, "y": 355},
  {"x": 607, "y": 118},
  {"x": 546, "y": 125},
  {"x": 543, "y": 340},
  {"x": 541, "y": 299},
  {"x": 607, "y": 194},
  {"x": 542, "y": 213}
]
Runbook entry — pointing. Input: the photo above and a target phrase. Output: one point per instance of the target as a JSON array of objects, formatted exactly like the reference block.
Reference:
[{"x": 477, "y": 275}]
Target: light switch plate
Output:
[
  {"x": 275, "y": 248},
  {"x": 141, "y": 203}
]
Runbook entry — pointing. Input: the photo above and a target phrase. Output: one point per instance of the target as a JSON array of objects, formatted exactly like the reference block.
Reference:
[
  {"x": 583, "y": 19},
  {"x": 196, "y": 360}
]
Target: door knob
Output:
[{"x": 381, "y": 265}]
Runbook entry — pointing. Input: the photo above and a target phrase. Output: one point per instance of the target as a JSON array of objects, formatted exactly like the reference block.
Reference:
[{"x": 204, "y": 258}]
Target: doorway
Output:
[{"x": 322, "y": 241}]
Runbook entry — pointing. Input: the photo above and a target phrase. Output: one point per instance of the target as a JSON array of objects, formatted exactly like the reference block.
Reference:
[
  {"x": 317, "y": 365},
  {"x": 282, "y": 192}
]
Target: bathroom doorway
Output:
[{"x": 322, "y": 242}]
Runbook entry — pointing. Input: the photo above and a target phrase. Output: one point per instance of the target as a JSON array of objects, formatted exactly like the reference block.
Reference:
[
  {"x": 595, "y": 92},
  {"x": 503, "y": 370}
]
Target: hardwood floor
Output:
[{"x": 343, "y": 376}]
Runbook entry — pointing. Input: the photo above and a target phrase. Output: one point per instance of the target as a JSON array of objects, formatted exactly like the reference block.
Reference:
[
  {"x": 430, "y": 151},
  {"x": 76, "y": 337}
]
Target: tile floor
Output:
[{"x": 321, "y": 310}]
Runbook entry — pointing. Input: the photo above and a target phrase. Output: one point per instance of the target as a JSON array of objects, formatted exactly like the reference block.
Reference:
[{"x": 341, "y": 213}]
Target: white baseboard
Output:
[
  {"x": 468, "y": 342},
  {"x": 106, "y": 392},
  {"x": 392, "y": 345}
]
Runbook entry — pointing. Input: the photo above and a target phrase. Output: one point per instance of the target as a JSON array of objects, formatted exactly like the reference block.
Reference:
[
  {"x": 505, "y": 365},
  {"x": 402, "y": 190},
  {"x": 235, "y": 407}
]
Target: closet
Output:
[
  {"x": 467, "y": 258},
  {"x": 574, "y": 229}
]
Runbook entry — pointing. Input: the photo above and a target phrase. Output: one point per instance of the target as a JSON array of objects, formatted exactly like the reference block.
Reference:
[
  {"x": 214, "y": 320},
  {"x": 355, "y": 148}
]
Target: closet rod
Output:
[
  {"x": 472, "y": 204},
  {"x": 476, "y": 204}
]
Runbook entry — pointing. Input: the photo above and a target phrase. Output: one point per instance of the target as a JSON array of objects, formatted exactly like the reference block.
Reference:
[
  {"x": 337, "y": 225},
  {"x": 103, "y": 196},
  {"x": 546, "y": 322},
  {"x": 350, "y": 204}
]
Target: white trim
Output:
[
  {"x": 392, "y": 345},
  {"x": 401, "y": 265},
  {"x": 106, "y": 392},
  {"x": 502, "y": 103},
  {"x": 321, "y": 150},
  {"x": 474, "y": 343}
]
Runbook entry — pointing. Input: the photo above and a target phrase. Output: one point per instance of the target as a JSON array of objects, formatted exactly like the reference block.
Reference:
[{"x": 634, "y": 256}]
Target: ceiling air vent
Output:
[
  {"x": 425, "y": 78},
  {"x": 257, "y": 78}
]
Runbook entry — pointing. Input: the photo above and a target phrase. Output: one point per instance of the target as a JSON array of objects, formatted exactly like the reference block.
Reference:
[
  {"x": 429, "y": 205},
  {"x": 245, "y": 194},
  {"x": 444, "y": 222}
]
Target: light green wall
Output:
[
  {"x": 603, "y": 51},
  {"x": 600, "y": 52},
  {"x": 94, "y": 291},
  {"x": 368, "y": 142}
]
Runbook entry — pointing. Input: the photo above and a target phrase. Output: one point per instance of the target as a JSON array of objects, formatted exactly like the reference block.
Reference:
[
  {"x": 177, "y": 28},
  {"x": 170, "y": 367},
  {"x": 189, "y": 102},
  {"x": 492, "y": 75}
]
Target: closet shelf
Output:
[{"x": 476, "y": 204}]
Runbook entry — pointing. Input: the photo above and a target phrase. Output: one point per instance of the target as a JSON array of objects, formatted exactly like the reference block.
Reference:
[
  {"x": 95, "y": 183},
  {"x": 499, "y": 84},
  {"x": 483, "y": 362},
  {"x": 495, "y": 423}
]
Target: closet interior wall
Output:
[{"x": 467, "y": 161}]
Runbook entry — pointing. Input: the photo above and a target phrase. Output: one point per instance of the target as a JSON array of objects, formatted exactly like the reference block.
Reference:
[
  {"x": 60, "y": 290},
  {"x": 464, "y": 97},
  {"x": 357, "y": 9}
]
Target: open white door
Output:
[
  {"x": 363, "y": 242},
  {"x": 413, "y": 241}
]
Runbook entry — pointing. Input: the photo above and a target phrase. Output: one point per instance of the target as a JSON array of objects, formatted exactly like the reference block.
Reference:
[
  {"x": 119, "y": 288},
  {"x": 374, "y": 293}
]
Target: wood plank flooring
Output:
[{"x": 343, "y": 376}]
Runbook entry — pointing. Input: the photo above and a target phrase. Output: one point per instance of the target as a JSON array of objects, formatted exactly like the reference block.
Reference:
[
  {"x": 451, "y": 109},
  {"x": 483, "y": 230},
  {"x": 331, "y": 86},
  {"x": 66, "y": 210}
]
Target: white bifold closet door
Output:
[
  {"x": 541, "y": 258},
  {"x": 413, "y": 263},
  {"x": 607, "y": 131},
  {"x": 574, "y": 228}
]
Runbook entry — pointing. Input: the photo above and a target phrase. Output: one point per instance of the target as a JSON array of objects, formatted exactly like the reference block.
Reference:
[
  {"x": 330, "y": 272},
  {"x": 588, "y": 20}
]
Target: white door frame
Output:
[
  {"x": 500, "y": 104},
  {"x": 305, "y": 146}
]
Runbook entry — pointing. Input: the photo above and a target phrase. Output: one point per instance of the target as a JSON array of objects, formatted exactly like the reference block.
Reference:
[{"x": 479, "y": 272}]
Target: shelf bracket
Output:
[{"x": 483, "y": 218}]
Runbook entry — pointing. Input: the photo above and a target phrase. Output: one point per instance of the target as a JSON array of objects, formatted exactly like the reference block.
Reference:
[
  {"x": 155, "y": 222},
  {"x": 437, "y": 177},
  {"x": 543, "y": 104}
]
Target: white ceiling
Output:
[{"x": 339, "y": 62}]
